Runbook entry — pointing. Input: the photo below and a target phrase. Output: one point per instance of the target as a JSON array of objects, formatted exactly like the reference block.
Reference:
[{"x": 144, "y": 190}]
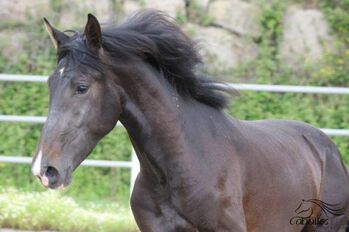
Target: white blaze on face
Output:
[
  {"x": 37, "y": 164},
  {"x": 61, "y": 72}
]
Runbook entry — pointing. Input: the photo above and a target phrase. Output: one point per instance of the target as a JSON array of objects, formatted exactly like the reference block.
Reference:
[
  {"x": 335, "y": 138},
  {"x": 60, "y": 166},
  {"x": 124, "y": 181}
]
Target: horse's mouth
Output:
[
  {"x": 62, "y": 182},
  {"x": 59, "y": 185}
]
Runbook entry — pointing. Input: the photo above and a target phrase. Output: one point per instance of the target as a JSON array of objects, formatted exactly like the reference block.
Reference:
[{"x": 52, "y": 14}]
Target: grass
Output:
[{"x": 50, "y": 210}]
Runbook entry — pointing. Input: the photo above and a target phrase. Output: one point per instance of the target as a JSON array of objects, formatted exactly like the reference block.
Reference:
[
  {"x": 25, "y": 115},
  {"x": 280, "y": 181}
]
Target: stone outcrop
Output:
[
  {"x": 19, "y": 10},
  {"x": 202, "y": 4},
  {"x": 75, "y": 15},
  {"x": 171, "y": 7},
  {"x": 227, "y": 39},
  {"x": 306, "y": 36},
  {"x": 221, "y": 50},
  {"x": 131, "y": 7},
  {"x": 237, "y": 16},
  {"x": 11, "y": 43}
]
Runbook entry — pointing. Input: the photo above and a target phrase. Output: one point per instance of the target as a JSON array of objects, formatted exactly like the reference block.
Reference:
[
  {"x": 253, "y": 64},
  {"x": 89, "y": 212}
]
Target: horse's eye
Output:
[{"x": 81, "y": 89}]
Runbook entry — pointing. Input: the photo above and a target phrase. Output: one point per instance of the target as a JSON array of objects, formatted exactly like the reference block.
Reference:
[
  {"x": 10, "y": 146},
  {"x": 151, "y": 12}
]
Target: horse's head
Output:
[{"x": 84, "y": 105}]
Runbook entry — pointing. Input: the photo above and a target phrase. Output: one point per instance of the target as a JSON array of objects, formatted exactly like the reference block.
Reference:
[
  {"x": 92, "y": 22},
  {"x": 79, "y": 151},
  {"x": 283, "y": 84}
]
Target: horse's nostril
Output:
[{"x": 52, "y": 174}]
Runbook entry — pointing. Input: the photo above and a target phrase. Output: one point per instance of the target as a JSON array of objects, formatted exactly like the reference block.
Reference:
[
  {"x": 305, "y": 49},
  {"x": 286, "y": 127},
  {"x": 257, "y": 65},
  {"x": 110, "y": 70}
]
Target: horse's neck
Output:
[{"x": 153, "y": 119}]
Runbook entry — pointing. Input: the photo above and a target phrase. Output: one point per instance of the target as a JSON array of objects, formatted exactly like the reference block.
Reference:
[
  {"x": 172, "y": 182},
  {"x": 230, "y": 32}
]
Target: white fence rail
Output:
[
  {"x": 88, "y": 163},
  {"x": 23, "y": 78},
  {"x": 40, "y": 119},
  {"x": 133, "y": 164},
  {"x": 249, "y": 87}
]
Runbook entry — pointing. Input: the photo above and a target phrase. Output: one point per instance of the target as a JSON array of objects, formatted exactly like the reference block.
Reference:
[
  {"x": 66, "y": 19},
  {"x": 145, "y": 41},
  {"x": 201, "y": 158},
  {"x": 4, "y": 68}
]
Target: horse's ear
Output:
[
  {"x": 57, "y": 37},
  {"x": 93, "y": 32}
]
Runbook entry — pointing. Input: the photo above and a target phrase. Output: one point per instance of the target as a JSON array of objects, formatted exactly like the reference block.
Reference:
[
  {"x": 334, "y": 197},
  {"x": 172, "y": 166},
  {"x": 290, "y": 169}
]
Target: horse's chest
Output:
[
  {"x": 173, "y": 218},
  {"x": 190, "y": 207}
]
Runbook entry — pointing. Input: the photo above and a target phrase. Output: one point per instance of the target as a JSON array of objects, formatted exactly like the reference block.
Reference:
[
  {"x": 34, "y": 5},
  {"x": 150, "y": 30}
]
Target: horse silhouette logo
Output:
[{"x": 315, "y": 212}]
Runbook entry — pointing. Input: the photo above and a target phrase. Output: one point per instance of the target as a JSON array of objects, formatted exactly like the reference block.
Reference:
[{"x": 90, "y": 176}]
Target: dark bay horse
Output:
[{"x": 201, "y": 170}]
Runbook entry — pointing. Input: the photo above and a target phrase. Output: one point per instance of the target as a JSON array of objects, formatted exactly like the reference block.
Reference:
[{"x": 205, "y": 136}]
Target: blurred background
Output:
[{"x": 291, "y": 42}]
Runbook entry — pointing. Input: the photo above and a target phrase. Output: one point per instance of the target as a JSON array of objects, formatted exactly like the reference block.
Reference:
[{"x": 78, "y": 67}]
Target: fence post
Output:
[{"x": 134, "y": 169}]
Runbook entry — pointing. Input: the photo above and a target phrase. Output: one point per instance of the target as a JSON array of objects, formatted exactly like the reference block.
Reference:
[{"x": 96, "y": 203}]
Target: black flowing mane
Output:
[{"x": 153, "y": 37}]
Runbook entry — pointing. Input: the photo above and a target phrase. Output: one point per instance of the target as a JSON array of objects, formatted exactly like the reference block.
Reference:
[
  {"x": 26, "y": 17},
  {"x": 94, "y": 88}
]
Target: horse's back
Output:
[
  {"x": 294, "y": 161},
  {"x": 310, "y": 144},
  {"x": 295, "y": 131}
]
